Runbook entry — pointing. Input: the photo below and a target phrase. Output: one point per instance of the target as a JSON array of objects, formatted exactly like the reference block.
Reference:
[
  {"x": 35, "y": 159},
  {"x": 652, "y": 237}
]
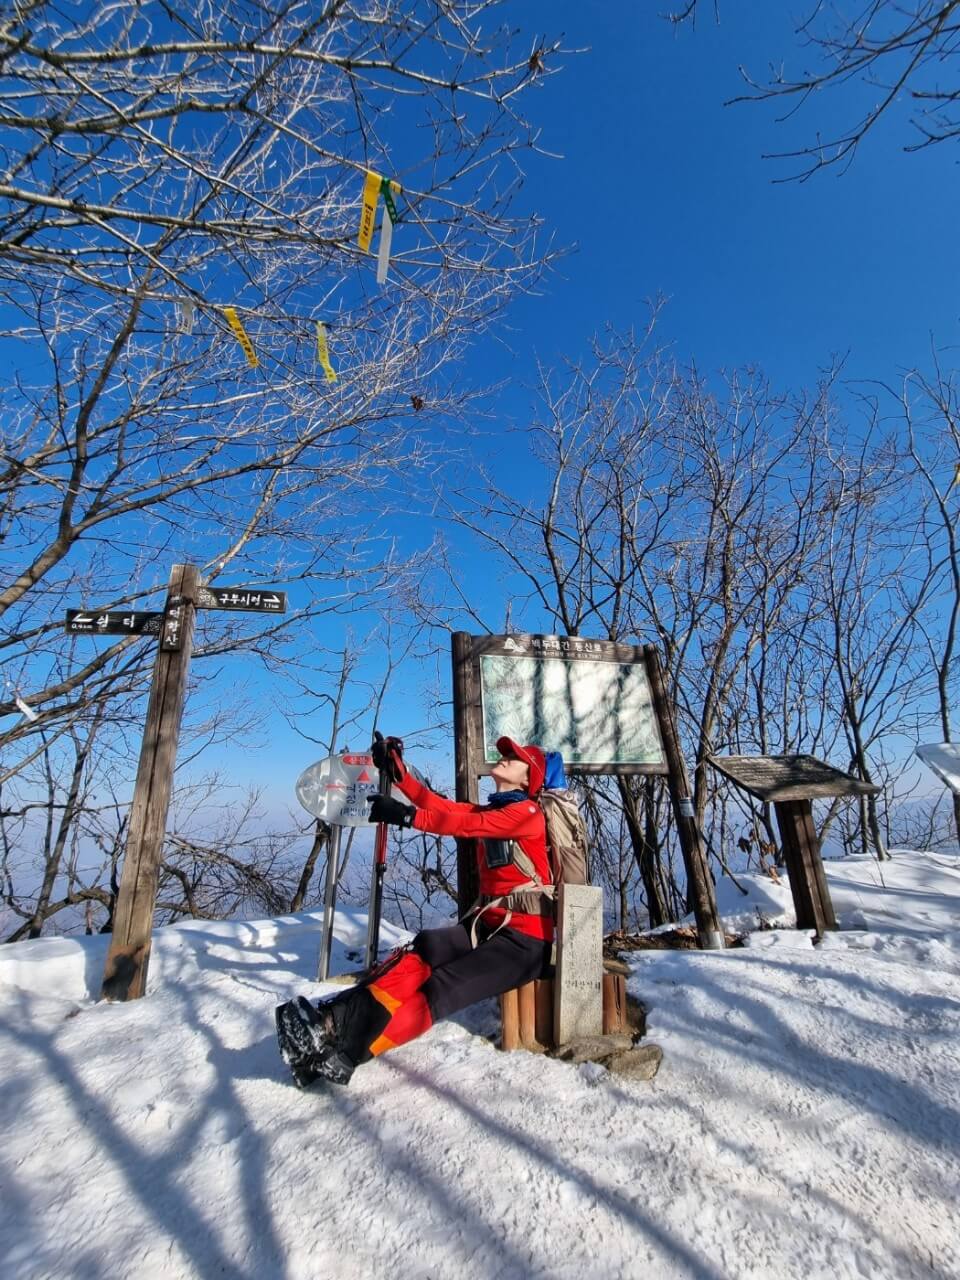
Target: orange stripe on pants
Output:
[
  {"x": 398, "y": 991},
  {"x": 411, "y": 1019}
]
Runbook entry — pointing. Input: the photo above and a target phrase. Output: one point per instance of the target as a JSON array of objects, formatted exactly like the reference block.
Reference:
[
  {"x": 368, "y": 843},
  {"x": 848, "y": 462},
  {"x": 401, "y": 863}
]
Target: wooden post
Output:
[
  {"x": 510, "y": 1020},
  {"x": 125, "y": 975},
  {"x": 709, "y": 927},
  {"x": 810, "y": 845},
  {"x": 543, "y": 999},
  {"x": 614, "y": 1004},
  {"x": 527, "y": 1011},
  {"x": 802, "y": 890},
  {"x": 466, "y": 698},
  {"x": 808, "y": 884}
]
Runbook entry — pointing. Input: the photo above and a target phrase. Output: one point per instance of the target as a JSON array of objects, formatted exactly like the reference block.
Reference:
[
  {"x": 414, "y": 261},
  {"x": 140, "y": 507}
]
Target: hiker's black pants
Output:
[
  {"x": 441, "y": 974},
  {"x": 461, "y": 975}
]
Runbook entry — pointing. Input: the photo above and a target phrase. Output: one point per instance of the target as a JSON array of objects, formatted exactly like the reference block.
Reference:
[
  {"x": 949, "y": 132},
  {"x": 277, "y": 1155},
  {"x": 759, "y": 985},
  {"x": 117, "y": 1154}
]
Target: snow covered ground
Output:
[{"x": 804, "y": 1122}]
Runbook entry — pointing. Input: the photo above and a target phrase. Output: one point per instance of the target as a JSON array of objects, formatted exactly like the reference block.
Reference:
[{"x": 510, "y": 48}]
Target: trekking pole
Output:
[{"x": 379, "y": 867}]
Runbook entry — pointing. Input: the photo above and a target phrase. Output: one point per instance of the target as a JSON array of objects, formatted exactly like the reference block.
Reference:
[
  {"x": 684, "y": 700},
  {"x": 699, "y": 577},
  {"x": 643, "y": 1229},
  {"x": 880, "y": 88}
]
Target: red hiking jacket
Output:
[{"x": 522, "y": 822}]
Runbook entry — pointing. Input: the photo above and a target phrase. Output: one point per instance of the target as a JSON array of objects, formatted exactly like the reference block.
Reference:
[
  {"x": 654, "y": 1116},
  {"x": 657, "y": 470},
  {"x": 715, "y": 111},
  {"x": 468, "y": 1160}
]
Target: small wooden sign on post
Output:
[
  {"x": 113, "y": 622},
  {"x": 791, "y": 783}
]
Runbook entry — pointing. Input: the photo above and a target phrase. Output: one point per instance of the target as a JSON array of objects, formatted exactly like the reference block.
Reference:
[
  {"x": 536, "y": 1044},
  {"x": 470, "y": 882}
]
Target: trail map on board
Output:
[{"x": 592, "y": 712}]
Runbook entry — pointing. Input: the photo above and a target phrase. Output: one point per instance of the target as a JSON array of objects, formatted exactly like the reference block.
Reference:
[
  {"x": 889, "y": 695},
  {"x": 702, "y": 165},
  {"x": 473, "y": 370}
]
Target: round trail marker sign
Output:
[{"x": 336, "y": 788}]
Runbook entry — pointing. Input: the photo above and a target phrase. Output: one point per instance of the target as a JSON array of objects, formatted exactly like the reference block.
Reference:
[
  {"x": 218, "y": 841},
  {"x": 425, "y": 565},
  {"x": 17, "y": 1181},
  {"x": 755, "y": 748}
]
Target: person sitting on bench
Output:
[{"x": 505, "y": 940}]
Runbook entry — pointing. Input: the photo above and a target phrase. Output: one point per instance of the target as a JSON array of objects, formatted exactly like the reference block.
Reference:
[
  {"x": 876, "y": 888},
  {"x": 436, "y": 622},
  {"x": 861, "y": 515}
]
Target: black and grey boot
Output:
[
  {"x": 328, "y": 1041},
  {"x": 303, "y": 1031},
  {"x": 332, "y": 1065},
  {"x": 307, "y": 1037},
  {"x": 303, "y": 1073}
]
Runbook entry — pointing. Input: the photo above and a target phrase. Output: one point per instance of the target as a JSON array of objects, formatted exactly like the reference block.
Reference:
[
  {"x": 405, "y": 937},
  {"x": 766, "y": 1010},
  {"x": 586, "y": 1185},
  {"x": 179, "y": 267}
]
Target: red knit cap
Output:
[{"x": 531, "y": 756}]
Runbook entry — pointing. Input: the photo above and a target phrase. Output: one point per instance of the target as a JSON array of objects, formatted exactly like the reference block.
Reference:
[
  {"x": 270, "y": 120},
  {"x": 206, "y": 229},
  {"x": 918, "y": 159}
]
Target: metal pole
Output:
[{"x": 329, "y": 902}]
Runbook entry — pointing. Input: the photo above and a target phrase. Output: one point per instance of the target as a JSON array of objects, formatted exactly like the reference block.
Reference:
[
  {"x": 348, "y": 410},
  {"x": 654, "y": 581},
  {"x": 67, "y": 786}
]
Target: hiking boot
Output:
[
  {"x": 303, "y": 1031},
  {"x": 333, "y": 1065},
  {"x": 303, "y": 1074},
  {"x": 321, "y": 1022}
]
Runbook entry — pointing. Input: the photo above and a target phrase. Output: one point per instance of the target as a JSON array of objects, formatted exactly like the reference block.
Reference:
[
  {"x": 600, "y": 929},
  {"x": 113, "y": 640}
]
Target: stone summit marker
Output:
[{"x": 578, "y": 987}]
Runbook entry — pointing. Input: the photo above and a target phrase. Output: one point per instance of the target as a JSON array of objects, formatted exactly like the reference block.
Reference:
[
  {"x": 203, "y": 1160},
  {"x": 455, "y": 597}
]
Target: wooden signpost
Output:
[
  {"x": 604, "y": 707},
  {"x": 125, "y": 974},
  {"x": 790, "y": 784}
]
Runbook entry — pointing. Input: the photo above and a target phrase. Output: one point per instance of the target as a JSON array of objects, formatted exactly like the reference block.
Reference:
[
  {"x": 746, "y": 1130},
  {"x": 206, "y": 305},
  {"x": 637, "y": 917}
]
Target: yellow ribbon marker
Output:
[
  {"x": 373, "y": 187},
  {"x": 368, "y": 214},
  {"x": 323, "y": 353},
  {"x": 240, "y": 333}
]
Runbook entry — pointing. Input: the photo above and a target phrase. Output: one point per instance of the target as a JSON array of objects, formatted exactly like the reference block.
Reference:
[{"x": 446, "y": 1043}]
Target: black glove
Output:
[
  {"x": 388, "y": 755},
  {"x": 386, "y": 809}
]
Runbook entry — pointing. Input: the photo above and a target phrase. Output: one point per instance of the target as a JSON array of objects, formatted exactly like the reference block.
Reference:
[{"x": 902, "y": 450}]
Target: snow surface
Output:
[{"x": 804, "y": 1122}]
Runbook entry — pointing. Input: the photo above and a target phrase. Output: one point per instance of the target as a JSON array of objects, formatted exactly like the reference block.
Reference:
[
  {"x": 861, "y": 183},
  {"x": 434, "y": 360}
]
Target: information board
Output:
[
  {"x": 602, "y": 704},
  {"x": 570, "y": 697}
]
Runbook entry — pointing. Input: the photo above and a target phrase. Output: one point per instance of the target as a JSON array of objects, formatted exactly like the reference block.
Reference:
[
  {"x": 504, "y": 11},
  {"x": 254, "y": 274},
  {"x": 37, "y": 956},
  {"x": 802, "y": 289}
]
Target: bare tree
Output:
[
  {"x": 158, "y": 167},
  {"x": 902, "y": 52},
  {"x": 875, "y": 581},
  {"x": 221, "y": 855},
  {"x": 420, "y": 885},
  {"x": 671, "y": 515},
  {"x": 930, "y": 409},
  {"x": 759, "y": 539},
  {"x": 628, "y": 820}
]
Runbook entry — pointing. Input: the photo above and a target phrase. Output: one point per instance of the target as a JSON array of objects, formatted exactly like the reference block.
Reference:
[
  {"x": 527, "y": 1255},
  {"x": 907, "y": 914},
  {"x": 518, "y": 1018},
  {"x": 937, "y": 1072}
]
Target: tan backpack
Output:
[{"x": 567, "y": 840}]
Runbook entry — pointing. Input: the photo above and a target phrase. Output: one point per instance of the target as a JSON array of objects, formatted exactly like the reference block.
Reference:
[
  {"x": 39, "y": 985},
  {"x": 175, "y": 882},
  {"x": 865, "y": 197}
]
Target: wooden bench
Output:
[{"x": 526, "y": 1013}]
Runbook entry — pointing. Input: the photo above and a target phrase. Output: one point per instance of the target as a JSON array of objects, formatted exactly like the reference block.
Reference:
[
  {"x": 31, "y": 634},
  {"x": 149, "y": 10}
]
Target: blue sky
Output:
[{"x": 662, "y": 190}]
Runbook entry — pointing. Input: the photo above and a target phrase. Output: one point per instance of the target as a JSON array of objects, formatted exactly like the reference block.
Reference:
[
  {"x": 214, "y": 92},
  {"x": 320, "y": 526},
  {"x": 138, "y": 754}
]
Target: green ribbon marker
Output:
[{"x": 388, "y": 200}]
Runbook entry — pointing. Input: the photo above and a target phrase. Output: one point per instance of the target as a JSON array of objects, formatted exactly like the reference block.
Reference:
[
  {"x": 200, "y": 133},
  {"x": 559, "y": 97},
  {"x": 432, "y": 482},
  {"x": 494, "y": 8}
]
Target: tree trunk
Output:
[
  {"x": 52, "y": 869},
  {"x": 321, "y": 837},
  {"x": 646, "y": 852}
]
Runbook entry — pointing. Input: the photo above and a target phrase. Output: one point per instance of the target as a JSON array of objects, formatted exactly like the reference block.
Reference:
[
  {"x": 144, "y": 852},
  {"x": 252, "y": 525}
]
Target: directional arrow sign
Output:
[
  {"x": 113, "y": 622},
  {"x": 253, "y": 599}
]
